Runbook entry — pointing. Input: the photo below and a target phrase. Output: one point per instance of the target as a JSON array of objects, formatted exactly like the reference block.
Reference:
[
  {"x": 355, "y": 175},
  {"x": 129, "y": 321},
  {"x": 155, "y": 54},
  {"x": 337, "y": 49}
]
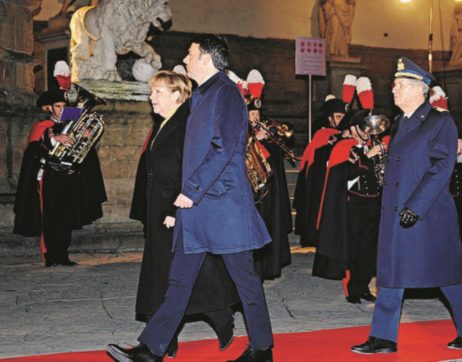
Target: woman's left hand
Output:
[
  {"x": 459, "y": 146},
  {"x": 169, "y": 222}
]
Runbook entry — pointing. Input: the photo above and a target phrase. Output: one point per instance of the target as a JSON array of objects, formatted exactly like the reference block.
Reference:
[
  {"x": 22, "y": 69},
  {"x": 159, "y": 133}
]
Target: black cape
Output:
[
  {"x": 276, "y": 212},
  {"x": 308, "y": 191},
  {"x": 331, "y": 256},
  {"x": 83, "y": 191}
]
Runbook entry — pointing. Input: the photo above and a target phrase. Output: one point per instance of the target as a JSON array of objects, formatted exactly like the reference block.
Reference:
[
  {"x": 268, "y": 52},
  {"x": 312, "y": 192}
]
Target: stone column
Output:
[{"x": 16, "y": 51}]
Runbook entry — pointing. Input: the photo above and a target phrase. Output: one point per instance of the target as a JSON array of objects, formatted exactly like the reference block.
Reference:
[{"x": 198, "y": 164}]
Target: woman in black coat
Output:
[{"x": 158, "y": 183}]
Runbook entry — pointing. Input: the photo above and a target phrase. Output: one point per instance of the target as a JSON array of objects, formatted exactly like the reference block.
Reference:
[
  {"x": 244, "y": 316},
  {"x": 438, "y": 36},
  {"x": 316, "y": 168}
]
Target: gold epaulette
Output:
[{"x": 439, "y": 109}]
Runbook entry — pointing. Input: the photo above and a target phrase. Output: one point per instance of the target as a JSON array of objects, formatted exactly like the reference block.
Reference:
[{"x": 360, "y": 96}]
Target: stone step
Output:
[
  {"x": 107, "y": 237},
  {"x": 92, "y": 238}
]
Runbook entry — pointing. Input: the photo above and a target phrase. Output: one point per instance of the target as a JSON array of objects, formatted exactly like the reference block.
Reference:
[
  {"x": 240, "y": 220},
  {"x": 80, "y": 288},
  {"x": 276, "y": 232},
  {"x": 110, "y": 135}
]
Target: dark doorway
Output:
[{"x": 53, "y": 55}]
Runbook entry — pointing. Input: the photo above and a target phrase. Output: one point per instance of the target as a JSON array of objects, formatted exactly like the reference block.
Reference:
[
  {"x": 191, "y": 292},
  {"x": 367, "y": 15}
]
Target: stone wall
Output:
[{"x": 16, "y": 51}]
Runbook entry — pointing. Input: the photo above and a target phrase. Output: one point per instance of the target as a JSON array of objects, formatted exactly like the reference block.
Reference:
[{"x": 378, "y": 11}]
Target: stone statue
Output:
[
  {"x": 99, "y": 33},
  {"x": 335, "y": 22},
  {"x": 66, "y": 7},
  {"x": 456, "y": 36}
]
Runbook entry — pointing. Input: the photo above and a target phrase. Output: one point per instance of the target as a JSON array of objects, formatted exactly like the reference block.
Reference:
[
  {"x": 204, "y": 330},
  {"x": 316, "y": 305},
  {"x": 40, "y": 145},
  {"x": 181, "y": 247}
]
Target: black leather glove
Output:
[{"x": 408, "y": 218}]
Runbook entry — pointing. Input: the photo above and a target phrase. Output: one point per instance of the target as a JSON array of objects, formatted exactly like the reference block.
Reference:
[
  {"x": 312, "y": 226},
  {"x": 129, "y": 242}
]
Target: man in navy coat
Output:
[
  {"x": 419, "y": 243},
  {"x": 216, "y": 211}
]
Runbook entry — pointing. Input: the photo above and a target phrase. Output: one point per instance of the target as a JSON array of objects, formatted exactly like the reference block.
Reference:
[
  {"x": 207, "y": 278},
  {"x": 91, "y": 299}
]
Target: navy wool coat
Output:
[
  {"x": 224, "y": 218},
  {"x": 421, "y": 158}
]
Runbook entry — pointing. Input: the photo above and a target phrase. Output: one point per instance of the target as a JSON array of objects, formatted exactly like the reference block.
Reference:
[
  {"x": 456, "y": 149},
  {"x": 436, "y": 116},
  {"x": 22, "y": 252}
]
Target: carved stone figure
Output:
[
  {"x": 335, "y": 22},
  {"x": 68, "y": 5},
  {"x": 99, "y": 33},
  {"x": 456, "y": 36},
  {"x": 17, "y": 51}
]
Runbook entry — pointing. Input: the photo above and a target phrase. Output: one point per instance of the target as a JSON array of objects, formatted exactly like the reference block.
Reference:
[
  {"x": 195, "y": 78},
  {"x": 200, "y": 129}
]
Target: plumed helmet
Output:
[
  {"x": 50, "y": 97},
  {"x": 253, "y": 104},
  {"x": 333, "y": 105},
  {"x": 358, "y": 117}
]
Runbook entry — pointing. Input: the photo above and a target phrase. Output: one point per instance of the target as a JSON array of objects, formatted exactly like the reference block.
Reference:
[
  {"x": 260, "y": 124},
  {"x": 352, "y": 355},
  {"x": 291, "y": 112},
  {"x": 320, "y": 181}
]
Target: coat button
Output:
[
  {"x": 397, "y": 158},
  {"x": 383, "y": 207},
  {"x": 397, "y": 184},
  {"x": 396, "y": 208}
]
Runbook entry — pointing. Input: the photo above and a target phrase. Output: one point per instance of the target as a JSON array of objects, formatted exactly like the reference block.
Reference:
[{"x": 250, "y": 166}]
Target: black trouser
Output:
[
  {"x": 163, "y": 325},
  {"x": 57, "y": 240},
  {"x": 363, "y": 226}
]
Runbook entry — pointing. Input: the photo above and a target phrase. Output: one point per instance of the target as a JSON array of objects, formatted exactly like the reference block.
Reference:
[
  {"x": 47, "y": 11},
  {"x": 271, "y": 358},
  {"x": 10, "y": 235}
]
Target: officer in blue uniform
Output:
[{"x": 419, "y": 243}]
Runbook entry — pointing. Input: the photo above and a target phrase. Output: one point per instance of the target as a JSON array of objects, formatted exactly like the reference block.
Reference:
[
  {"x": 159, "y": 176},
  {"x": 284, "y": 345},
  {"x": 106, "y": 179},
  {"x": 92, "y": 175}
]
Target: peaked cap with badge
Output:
[{"x": 406, "y": 68}]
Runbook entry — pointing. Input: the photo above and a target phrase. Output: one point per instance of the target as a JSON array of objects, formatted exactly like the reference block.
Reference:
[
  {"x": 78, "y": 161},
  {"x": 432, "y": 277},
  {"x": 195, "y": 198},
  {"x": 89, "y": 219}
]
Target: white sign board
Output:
[{"x": 310, "y": 56}]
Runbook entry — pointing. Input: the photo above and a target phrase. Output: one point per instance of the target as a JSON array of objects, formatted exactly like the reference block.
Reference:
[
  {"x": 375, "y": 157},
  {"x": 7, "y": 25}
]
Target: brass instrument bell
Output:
[{"x": 374, "y": 124}]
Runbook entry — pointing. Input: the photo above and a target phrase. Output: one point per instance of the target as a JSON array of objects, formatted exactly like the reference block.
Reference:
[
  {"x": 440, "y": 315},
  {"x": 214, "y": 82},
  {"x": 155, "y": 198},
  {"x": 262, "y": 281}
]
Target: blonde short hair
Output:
[{"x": 173, "y": 82}]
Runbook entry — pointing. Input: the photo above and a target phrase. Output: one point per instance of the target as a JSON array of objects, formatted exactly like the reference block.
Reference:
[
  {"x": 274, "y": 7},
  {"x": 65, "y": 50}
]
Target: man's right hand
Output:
[
  {"x": 64, "y": 139},
  {"x": 183, "y": 202}
]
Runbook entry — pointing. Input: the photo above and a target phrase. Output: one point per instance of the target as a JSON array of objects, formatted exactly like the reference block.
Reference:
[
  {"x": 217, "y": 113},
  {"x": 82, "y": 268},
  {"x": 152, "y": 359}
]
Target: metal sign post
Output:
[
  {"x": 310, "y": 59},
  {"x": 309, "y": 108}
]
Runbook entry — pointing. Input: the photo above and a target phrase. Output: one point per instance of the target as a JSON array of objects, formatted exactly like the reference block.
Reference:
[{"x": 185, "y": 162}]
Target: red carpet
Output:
[{"x": 419, "y": 341}]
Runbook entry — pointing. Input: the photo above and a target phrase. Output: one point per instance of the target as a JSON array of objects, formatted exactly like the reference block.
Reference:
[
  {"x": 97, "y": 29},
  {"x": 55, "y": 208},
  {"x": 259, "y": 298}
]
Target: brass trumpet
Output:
[{"x": 280, "y": 133}]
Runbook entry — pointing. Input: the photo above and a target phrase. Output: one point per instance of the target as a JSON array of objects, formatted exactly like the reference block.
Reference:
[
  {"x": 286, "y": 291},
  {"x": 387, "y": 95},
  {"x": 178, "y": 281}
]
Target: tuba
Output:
[
  {"x": 374, "y": 125},
  {"x": 259, "y": 171},
  {"x": 86, "y": 131}
]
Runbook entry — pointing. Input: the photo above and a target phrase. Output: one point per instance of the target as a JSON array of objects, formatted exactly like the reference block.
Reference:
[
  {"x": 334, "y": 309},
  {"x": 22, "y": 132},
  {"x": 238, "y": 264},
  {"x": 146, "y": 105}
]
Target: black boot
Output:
[
  {"x": 225, "y": 334},
  {"x": 173, "y": 348},
  {"x": 140, "y": 353},
  {"x": 456, "y": 343},
  {"x": 368, "y": 296},
  {"x": 255, "y": 355},
  {"x": 375, "y": 345}
]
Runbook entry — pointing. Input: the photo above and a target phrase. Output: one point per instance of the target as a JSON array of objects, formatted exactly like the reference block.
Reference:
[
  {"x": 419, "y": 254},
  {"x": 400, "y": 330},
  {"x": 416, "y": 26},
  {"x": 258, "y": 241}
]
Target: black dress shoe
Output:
[
  {"x": 353, "y": 299},
  {"x": 375, "y": 345},
  {"x": 140, "y": 353},
  {"x": 49, "y": 263},
  {"x": 368, "y": 296},
  {"x": 172, "y": 348},
  {"x": 67, "y": 262},
  {"x": 456, "y": 344},
  {"x": 255, "y": 355},
  {"x": 225, "y": 335}
]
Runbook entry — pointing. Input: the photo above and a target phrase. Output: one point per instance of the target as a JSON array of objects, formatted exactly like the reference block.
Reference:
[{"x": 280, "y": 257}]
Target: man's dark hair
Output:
[{"x": 216, "y": 46}]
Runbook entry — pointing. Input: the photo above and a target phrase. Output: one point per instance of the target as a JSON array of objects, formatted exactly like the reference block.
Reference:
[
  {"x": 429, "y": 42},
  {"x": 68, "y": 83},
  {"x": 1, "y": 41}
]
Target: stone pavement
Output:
[{"x": 47, "y": 310}]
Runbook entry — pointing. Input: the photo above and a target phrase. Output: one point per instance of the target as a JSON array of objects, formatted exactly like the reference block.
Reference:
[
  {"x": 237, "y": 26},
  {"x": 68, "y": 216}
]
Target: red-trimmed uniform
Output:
[
  {"x": 310, "y": 181},
  {"x": 349, "y": 217},
  {"x": 51, "y": 205}
]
